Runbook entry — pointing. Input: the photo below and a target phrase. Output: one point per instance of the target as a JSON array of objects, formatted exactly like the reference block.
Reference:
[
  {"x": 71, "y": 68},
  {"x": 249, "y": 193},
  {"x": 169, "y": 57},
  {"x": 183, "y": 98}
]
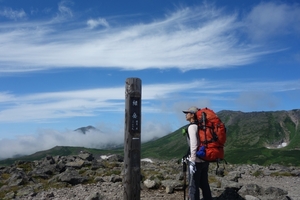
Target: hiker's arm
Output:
[{"x": 193, "y": 132}]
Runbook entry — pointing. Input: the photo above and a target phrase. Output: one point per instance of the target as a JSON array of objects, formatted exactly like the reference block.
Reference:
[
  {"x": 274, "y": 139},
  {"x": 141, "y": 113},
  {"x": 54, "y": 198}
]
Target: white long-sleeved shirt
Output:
[{"x": 193, "y": 141}]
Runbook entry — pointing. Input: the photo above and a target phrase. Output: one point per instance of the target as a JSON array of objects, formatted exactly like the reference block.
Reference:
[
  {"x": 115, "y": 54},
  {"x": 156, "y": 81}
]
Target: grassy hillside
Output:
[
  {"x": 254, "y": 137},
  {"x": 263, "y": 156},
  {"x": 173, "y": 145},
  {"x": 262, "y": 129}
]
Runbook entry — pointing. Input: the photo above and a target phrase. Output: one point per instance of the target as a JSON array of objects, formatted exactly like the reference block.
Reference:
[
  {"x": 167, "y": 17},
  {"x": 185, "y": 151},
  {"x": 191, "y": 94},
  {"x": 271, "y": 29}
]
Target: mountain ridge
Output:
[
  {"x": 274, "y": 127},
  {"x": 85, "y": 129}
]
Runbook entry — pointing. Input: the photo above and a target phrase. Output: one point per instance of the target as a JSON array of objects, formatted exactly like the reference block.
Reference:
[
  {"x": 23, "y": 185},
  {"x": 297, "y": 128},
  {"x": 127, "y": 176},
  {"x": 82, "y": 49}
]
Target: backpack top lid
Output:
[{"x": 210, "y": 115}]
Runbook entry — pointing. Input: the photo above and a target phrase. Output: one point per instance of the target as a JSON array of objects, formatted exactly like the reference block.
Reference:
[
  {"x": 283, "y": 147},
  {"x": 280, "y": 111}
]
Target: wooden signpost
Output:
[{"x": 132, "y": 139}]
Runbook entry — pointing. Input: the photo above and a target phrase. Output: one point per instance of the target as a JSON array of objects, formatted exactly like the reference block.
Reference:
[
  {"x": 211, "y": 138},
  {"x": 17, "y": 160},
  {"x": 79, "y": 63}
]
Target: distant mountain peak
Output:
[{"x": 86, "y": 129}]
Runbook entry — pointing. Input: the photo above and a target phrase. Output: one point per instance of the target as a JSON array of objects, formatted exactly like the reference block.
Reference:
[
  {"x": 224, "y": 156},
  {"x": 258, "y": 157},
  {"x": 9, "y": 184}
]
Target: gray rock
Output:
[
  {"x": 115, "y": 158},
  {"x": 10, "y": 195},
  {"x": 169, "y": 189},
  {"x": 86, "y": 156},
  {"x": 25, "y": 191},
  {"x": 78, "y": 164},
  {"x": 150, "y": 184},
  {"x": 95, "y": 164},
  {"x": 17, "y": 178},
  {"x": 171, "y": 183},
  {"x": 295, "y": 172},
  {"x": 115, "y": 178},
  {"x": 72, "y": 176},
  {"x": 249, "y": 197},
  {"x": 94, "y": 196},
  {"x": 251, "y": 189},
  {"x": 230, "y": 194},
  {"x": 99, "y": 179},
  {"x": 234, "y": 176},
  {"x": 272, "y": 193}
]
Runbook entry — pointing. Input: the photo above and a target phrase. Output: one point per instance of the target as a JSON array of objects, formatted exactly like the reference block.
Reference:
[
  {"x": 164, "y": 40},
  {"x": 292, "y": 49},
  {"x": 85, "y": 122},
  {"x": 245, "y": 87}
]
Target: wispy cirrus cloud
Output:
[
  {"x": 190, "y": 38},
  {"x": 93, "y": 23},
  {"x": 13, "y": 14},
  {"x": 91, "y": 102},
  {"x": 64, "y": 10}
]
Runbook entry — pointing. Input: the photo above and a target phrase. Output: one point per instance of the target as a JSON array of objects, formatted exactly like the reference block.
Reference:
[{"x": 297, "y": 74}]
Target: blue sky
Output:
[{"x": 63, "y": 65}]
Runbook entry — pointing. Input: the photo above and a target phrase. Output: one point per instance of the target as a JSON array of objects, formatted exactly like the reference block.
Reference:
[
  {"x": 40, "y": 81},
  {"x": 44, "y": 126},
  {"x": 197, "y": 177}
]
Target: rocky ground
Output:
[
  {"x": 289, "y": 184},
  {"x": 114, "y": 191},
  {"x": 87, "y": 178}
]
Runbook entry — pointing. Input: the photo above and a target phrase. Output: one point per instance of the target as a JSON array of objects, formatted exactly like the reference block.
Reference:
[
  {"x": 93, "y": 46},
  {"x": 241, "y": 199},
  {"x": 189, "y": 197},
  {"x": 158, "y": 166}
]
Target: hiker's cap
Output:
[{"x": 192, "y": 109}]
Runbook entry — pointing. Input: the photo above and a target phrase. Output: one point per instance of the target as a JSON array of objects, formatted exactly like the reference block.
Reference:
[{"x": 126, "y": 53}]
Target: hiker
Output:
[{"x": 198, "y": 169}]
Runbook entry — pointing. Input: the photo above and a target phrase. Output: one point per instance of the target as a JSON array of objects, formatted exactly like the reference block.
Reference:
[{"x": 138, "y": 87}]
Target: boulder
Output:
[
  {"x": 251, "y": 189},
  {"x": 72, "y": 177},
  {"x": 78, "y": 164},
  {"x": 233, "y": 176},
  {"x": 230, "y": 194},
  {"x": 86, "y": 156},
  {"x": 115, "y": 158},
  {"x": 150, "y": 184}
]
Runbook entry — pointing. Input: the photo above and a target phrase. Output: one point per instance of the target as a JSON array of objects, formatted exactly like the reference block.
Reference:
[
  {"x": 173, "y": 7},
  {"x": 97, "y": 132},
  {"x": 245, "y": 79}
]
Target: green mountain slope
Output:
[
  {"x": 255, "y": 137},
  {"x": 173, "y": 145},
  {"x": 262, "y": 129}
]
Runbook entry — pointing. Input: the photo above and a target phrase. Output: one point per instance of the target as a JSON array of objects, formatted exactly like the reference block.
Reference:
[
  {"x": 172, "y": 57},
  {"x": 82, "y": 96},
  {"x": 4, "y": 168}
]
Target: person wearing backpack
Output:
[{"x": 198, "y": 168}]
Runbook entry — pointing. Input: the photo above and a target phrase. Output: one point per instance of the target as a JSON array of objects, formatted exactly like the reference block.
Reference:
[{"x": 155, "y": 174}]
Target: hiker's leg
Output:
[
  {"x": 204, "y": 185},
  {"x": 194, "y": 183}
]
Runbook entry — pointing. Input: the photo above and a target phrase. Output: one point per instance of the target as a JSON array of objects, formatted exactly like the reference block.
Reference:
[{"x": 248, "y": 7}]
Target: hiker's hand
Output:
[
  {"x": 184, "y": 158},
  {"x": 192, "y": 167}
]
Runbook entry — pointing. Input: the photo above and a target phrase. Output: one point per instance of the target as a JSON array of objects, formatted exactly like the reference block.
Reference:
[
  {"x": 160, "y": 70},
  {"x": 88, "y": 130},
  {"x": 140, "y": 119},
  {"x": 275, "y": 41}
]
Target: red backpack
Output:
[{"x": 212, "y": 135}]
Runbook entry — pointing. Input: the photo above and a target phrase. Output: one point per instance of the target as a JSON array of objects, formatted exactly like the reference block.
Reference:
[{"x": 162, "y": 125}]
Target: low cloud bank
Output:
[{"x": 99, "y": 138}]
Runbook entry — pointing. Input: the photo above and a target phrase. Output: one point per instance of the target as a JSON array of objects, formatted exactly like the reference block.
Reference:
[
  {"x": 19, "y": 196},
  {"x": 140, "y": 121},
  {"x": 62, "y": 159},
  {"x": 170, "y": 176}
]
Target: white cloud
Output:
[
  {"x": 64, "y": 13},
  {"x": 272, "y": 19},
  {"x": 38, "y": 107},
  {"x": 46, "y": 139},
  {"x": 91, "y": 102},
  {"x": 106, "y": 135},
  {"x": 93, "y": 23},
  {"x": 66, "y": 104},
  {"x": 6, "y": 97},
  {"x": 13, "y": 14},
  {"x": 64, "y": 9},
  {"x": 188, "y": 39}
]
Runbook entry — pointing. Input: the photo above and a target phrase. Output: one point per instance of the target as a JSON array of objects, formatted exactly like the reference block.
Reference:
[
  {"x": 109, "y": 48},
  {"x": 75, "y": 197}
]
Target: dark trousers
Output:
[{"x": 199, "y": 180}]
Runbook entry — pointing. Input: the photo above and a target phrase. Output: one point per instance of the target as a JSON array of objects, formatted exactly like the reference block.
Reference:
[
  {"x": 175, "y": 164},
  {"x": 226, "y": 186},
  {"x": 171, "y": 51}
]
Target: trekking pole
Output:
[{"x": 184, "y": 168}]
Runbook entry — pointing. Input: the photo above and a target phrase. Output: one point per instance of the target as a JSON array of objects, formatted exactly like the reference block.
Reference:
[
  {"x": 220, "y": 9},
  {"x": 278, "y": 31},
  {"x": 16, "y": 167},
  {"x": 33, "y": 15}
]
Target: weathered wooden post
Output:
[{"x": 132, "y": 139}]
